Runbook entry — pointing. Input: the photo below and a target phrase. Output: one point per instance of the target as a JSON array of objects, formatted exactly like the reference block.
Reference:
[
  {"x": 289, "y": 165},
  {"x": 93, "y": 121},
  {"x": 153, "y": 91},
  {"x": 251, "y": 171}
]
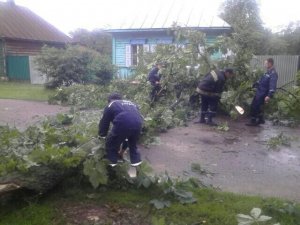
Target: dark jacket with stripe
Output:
[
  {"x": 123, "y": 114},
  {"x": 266, "y": 86},
  {"x": 212, "y": 83},
  {"x": 154, "y": 76}
]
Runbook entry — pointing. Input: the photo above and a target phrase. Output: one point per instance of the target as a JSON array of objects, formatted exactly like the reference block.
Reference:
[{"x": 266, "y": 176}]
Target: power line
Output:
[
  {"x": 201, "y": 16},
  {"x": 180, "y": 10},
  {"x": 146, "y": 17},
  {"x": 156, "y": 17},
  {"x": 170, "y": 9}
]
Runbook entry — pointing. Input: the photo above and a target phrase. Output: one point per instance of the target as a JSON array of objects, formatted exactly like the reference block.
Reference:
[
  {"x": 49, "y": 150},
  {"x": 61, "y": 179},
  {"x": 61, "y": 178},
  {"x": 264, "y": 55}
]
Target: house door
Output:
[{"x": 17, "y": 67}]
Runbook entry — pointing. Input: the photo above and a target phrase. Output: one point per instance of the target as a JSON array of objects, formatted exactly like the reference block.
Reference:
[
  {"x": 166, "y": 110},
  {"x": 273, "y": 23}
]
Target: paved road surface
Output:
[{"x": 23, "y": 113}]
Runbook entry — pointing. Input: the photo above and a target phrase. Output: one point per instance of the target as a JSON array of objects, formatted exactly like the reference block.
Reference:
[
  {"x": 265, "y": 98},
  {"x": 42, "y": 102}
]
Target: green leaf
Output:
[
  {"x": 146, "y": 182},
  {"x": 96, "y": 171},
  {"x": 255, "y": 213},
  {"x": 264, "y": 218},
  {"x": 244, "y": 219},
  {"x": 160, "y": 204}
]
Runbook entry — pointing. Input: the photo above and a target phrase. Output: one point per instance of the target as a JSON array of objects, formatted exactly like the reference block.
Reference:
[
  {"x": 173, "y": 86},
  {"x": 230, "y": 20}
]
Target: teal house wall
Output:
[{"x": 126, "y": 41}]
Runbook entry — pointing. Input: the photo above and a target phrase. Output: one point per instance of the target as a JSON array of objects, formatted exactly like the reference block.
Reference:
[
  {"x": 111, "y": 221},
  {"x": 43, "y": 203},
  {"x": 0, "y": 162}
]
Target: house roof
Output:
[
  {"x": 18, "y": 22},
  {"x": 164, "y": 14}
]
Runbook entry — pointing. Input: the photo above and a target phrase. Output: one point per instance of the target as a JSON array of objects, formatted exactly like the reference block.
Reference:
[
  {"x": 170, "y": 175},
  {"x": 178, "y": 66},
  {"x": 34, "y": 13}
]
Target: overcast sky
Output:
[{"x": 68, "y": 15}]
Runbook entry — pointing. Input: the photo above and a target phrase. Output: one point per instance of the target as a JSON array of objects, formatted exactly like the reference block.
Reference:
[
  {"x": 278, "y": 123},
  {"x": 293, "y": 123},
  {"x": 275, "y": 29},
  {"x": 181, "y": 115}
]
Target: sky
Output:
[{"x": 69, "y": 15}]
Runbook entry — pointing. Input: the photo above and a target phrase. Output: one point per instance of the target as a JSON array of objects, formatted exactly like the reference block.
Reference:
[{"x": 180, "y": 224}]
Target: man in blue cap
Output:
[
  {"x": 127, "y": 124},
  {"x": 266, "y": 88},
  {"x": 210, "y": 88}
]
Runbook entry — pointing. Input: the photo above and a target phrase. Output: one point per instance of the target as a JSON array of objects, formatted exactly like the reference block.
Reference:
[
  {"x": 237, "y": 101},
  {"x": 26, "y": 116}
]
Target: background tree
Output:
[
  {"x": 291, "y": 36},
  {"x": 98, "y": 40},
  {"x": 243, "y": 16}
]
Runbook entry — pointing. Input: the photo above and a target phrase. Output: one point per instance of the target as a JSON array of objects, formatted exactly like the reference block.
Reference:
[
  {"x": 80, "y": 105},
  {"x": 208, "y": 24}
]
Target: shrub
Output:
[{"x": 74, "y": 64}]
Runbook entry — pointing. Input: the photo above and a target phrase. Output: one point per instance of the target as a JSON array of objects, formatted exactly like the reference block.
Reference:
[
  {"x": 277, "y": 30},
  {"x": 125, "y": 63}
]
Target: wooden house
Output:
[
  {"x": 128, "y": 41},
  {"x": 22, "y": 35}
]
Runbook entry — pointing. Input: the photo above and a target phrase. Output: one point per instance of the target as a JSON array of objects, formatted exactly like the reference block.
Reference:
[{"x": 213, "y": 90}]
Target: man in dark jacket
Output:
[
  {"x": 127, "y": 124},
  {"x": 154, "y": 77},
  {"x": 266, "y": 88},
  {"x": 210, "y": 88}
]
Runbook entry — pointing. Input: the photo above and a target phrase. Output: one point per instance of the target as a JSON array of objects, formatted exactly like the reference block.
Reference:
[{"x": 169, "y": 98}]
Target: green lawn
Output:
[
  {"x": 212, "y": 208},
  {"x": 23, "y": 91}
]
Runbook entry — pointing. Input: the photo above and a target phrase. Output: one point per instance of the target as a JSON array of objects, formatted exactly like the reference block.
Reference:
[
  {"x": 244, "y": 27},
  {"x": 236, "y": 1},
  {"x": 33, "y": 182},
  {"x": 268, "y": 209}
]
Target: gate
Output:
[{"x": 17, "y": 67}]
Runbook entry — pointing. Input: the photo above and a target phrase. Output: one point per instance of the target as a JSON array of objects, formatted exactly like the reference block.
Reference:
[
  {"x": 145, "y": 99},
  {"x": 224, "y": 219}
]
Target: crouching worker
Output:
[
  {"x": 266, "y": 88},
  {"x": 210, "y": 88},
  {"x": 127, "y": 124}
]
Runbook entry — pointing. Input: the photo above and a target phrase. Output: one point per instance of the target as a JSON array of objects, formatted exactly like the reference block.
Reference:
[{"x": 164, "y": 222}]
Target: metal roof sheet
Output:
[
  {"x": 162, "y": 14},
  {"x": 17, "y": 22}
]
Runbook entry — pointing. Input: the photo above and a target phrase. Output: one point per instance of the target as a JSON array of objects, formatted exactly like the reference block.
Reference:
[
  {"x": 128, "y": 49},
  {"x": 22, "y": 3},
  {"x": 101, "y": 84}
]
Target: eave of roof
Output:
[{"x": 163, "y": 29}]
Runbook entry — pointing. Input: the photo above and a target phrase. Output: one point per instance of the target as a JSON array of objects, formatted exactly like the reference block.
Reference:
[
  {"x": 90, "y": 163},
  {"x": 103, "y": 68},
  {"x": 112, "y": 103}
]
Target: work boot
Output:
[
  {"x": 261, "y": 120},
  {"x": 253, "y": 122}
]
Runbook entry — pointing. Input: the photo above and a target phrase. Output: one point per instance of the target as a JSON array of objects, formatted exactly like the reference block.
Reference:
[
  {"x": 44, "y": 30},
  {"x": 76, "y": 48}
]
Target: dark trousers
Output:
[
  {"x": 155, "y": 89},
  {"x": 114, "y": 140},
  {"x": 209, "y": 105},
  {"x": 256, "y": 106}
]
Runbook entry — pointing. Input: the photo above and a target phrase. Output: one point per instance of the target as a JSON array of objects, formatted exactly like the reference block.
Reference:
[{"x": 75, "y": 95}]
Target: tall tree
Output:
[
  {"x": 97, "y": 40},
  {"x": 291, "y": 35},
  {"x": 244, "y": 18}
]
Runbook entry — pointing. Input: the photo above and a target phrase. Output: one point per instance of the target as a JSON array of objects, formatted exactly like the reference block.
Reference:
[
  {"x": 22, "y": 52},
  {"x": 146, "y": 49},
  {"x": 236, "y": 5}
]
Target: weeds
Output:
[{"x": 279, "y": 140}]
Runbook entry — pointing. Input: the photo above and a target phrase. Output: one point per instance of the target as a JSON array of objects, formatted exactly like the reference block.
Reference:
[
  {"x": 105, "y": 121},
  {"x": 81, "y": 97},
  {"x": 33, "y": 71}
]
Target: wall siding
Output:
[
  {"x": 2, "y": 59},
  {"x": 19, "y": 47},
  {"x": 120, "y": 42},
  {"x": 35, "y": 76},
  {"x": 120, "y": 52}
]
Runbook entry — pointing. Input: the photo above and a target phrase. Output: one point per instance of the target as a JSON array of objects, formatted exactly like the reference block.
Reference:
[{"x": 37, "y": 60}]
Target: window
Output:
[{"x": 136, "y": 50}]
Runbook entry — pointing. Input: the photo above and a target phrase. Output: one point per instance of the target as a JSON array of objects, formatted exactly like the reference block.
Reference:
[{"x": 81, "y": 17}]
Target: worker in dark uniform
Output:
[
  {"x": 154, "y": 77},
  {"x": 210, "y": 88},
  {"x": 127, "y": 124},
  {"x": 266, "y": 88}
]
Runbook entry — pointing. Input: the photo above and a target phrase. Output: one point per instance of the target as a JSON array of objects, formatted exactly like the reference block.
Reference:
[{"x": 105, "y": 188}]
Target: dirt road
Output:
[
  {"x": 239, "y": 159},
  {"x": 23, "y": 113}
]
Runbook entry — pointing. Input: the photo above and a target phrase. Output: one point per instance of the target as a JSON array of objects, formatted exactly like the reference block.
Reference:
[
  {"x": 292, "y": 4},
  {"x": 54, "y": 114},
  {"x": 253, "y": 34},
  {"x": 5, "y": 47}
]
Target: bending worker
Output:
[
  {"x": 266, "y": 88},
  {"x": 210, "y": 88},
  {"x": 127, "y": 124}
]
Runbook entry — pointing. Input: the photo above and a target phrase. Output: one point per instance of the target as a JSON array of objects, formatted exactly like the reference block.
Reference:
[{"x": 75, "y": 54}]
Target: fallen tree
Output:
[{"x": 43, "y": 155}]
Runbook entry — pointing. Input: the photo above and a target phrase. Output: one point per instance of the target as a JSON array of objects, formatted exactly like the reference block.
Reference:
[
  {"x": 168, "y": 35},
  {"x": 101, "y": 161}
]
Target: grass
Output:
[
  {"x": 212, "y": 208},
  {"x": 23, "y": 91}
]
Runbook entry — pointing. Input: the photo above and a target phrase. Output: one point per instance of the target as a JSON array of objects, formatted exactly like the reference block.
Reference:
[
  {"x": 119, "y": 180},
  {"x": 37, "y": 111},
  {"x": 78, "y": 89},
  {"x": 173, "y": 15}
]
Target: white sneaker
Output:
[
  {"x": 136, "y": 164},
  {"x": 113, "y": 164}
]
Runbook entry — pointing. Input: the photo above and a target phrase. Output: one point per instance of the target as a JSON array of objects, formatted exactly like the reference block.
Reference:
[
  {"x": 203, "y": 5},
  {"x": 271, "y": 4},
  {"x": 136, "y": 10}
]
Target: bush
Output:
[
  {"x": 74, "y": 64},
  {"x": 81, "y": 96},
  {"x": 286, "y": 105}
]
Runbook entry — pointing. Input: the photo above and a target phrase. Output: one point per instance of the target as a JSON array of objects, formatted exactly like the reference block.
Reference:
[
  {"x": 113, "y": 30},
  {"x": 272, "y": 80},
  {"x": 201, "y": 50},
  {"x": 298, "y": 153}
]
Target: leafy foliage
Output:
[
  {"x": 97, "y": 40},
  {"x": 80, "y": 96},
  {"x": 75, "y": 64},
  {"x": 58, "y": 144},
  {"x": 279, "y": 140},
  {"x": 243, "y": 16},
  {"x": 255, "y": 217},
  {"x": 286, "y": 105}
]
